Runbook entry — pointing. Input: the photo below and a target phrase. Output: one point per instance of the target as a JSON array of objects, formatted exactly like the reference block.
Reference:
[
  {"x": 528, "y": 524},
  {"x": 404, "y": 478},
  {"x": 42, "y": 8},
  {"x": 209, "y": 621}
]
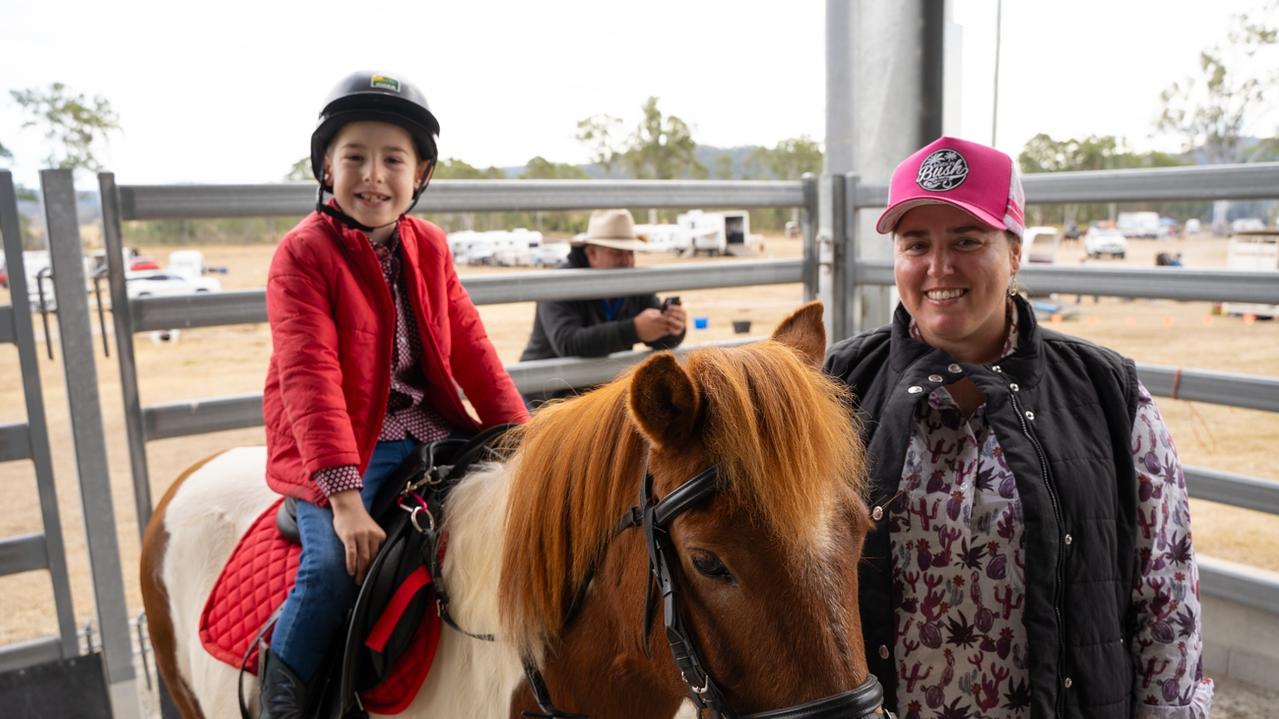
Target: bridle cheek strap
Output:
[
  {"x": 654, "y": 517},
  {"x": 866, "y": 700}
]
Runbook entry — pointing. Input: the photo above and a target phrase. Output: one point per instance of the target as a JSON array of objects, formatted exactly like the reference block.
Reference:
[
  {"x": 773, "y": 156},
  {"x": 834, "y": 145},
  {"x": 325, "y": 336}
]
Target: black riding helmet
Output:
[{"x": 380, "y": 97}]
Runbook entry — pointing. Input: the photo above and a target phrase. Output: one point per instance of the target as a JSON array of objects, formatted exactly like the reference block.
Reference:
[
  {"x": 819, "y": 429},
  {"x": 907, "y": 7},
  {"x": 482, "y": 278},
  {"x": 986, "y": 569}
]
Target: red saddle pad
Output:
[{"x": 255, "y": 582}]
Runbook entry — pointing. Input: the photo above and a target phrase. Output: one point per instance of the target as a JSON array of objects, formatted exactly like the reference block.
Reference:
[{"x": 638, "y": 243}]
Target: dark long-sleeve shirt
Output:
[
  {"x": 583, "y": 328},
  {"x": 588, "y": 328}
]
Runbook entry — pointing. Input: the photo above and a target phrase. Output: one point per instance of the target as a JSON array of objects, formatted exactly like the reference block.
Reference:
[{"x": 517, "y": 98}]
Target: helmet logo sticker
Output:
[
  {"x": 942, "y": 170},
  {"x": 382, "y": 82}
]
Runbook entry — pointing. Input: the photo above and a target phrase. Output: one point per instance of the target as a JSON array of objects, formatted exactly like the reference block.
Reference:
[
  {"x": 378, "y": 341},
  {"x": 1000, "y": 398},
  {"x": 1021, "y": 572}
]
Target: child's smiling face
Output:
[{"x": 373, "y": 168}]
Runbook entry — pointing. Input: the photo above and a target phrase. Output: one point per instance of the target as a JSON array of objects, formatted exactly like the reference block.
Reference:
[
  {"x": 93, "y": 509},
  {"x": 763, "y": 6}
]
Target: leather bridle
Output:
[{"x": 655, "y": 517}]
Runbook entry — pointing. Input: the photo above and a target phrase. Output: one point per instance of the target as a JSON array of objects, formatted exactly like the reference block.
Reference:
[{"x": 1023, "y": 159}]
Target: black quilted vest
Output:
[{"x": 1062, "y": 409}]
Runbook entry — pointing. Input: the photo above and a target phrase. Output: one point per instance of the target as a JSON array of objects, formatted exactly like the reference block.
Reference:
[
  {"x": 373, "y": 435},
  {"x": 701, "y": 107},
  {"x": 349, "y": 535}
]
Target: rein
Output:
[{"x": 655, "y": 517}]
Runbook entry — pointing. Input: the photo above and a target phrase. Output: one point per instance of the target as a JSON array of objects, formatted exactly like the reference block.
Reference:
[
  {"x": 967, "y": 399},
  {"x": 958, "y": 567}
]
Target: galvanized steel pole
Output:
[
  {"x": 76, "y": 335},
  {"x": 840, "y": 64},
  {"x": 884, "y": 100}
]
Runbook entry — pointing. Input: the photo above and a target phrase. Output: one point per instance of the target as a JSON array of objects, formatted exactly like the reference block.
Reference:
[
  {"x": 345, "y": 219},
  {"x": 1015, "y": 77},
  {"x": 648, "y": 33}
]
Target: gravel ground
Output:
[{"x": 1236, "y": 700}]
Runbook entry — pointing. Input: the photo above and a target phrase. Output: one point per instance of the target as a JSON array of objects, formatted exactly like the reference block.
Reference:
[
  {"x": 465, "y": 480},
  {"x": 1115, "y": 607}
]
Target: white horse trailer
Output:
[
  {"x": 720, "y": 233},
  {"x": 1253, "y": 251},
  {"x": 666, "y": 238}
]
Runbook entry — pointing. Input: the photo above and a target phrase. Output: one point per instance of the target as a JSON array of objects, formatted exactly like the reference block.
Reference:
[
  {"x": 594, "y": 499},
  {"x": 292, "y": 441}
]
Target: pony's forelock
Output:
[
  {"x": 787, "y": 444},
  {"x": 779, "y": 430}
]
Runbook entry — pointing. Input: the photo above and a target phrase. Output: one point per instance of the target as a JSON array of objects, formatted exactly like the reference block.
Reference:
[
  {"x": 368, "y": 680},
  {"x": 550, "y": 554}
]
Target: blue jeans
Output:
[{"x": 315, "y": 610}]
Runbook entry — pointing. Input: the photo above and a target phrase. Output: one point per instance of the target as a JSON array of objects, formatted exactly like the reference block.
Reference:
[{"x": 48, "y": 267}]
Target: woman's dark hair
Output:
[{"x": 577, "y": 257}]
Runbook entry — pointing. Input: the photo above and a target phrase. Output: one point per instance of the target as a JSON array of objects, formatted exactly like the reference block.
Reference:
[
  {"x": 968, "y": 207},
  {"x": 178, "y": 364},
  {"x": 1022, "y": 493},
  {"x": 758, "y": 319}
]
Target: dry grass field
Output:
[{"x": 233, "y": 360}]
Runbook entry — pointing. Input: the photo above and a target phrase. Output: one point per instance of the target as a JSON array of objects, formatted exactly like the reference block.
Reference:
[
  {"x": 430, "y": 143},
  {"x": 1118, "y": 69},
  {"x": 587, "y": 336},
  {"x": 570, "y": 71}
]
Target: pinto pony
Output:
[{"x": 766, "y": 564}]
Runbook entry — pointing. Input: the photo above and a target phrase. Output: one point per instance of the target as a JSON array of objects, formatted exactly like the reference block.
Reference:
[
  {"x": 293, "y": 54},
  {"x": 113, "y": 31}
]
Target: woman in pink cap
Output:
[{"x": 1031, "y": 555}]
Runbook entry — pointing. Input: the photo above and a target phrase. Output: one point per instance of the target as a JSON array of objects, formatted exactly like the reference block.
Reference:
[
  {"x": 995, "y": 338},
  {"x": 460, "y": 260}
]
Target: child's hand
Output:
[{"x": 359, "y": 533}]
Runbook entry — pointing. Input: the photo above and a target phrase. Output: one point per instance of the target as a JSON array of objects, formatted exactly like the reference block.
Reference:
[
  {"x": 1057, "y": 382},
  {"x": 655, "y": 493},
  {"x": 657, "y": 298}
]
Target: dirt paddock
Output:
[{"x": 232, "y": 360}]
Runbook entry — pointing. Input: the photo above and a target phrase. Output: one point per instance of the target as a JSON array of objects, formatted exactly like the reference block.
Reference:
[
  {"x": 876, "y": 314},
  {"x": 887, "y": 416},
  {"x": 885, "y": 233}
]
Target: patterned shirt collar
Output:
[{"x": 1010, "y": 342}]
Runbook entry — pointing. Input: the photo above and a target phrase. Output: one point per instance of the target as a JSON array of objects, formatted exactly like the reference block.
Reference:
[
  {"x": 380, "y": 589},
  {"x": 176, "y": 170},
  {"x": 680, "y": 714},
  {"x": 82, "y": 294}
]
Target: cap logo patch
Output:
[
  {"x": 382, "y": 82},
  {"x": 942, "y": 170}
]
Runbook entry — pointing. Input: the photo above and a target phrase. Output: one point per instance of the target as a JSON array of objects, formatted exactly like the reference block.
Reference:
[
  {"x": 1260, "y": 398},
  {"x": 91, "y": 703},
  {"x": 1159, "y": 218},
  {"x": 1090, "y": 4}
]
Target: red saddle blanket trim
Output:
[{"x": 256, "y": 580}]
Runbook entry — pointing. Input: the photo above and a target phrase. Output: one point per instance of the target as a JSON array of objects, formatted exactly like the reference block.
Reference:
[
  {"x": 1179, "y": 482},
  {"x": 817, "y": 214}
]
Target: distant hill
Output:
[{"x": 88, "y": 207}]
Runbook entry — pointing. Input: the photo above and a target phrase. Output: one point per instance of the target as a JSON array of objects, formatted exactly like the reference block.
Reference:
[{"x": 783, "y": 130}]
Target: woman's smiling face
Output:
[{"x": 953, "y": 273}]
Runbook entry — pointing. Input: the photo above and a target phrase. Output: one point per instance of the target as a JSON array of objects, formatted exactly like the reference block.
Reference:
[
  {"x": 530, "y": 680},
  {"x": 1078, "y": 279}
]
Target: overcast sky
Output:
[{"x": 227, "y": 91}]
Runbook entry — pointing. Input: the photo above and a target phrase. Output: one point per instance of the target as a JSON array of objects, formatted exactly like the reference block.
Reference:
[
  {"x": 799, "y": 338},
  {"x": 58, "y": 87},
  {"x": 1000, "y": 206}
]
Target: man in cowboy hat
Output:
[{"x": 594, "y": 328}]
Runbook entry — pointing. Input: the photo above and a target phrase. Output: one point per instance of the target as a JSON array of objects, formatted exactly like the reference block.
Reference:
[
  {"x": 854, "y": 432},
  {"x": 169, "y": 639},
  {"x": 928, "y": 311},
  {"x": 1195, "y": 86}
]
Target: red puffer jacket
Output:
[{"x": 332, "y": 327}]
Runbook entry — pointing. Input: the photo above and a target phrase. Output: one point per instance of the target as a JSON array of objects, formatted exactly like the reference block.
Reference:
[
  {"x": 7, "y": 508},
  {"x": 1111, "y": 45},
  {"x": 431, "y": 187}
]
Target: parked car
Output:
[
  {"x": 1100, "y": 241},
  {"x": 1144, "y": 225},
  {"x": 1246, "y": 224},
  {"x": 166, "y": 284}
]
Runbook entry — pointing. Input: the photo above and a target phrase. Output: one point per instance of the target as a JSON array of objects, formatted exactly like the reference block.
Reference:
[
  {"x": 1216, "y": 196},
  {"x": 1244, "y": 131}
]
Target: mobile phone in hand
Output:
[{"x": 672, "y": 300}]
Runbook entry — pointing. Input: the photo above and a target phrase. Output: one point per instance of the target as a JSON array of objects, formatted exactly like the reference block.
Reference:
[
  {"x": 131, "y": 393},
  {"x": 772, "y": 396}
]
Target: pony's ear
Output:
[
  {"x": 664, "y": 401},
  {"x": 804, "y": 331}
]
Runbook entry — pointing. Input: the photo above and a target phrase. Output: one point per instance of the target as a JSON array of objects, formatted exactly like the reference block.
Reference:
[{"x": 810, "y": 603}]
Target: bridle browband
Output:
[{"x": 655, "y": 517}]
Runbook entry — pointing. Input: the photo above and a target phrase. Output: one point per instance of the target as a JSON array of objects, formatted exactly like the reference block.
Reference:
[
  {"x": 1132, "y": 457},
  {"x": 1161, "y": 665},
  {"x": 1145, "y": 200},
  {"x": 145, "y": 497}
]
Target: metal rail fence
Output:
[
  {"x": 837, "y": 250},
  {"x": 121, "y": 203},
  {"x": 834, "y": 254},
  {"x": 30, "y": 440}
]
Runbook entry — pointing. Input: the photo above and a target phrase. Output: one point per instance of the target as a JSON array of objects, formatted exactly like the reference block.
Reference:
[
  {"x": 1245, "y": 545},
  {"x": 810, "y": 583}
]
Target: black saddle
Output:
[
  {"x": 428, "y": 474},
  {"x": 448, "y": 460}
]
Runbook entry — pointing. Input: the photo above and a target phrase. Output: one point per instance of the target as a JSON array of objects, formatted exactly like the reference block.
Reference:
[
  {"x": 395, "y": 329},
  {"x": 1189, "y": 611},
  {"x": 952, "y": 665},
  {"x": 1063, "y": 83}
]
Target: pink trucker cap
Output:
[{"x": 977, "y": 179}]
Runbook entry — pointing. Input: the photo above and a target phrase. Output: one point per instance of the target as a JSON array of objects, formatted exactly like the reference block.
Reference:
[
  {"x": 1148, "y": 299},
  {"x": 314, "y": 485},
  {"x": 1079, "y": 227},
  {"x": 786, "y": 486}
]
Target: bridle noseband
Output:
[{"x": 655, "y": 517}]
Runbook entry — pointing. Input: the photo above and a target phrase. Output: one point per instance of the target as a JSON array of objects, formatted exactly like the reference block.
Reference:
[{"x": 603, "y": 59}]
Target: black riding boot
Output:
[{"x": 283, "y": 695}]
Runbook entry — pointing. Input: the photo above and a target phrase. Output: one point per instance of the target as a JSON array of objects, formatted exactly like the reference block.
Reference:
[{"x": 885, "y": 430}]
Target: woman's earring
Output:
[{"x": 1013, "y": 288}]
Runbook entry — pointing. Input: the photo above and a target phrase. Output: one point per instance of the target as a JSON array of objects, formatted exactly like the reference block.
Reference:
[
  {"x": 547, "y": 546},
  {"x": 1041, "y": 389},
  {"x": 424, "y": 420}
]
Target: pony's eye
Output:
[{"x": 710, "y": 566}]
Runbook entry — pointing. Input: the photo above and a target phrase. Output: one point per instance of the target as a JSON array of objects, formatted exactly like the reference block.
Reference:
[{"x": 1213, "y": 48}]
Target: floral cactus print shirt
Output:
[{"x": 959, "y": 574}]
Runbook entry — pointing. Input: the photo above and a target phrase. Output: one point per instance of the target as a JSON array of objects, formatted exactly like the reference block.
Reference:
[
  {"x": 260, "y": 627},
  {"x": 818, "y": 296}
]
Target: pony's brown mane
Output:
[{"x": 778, "y": 429}]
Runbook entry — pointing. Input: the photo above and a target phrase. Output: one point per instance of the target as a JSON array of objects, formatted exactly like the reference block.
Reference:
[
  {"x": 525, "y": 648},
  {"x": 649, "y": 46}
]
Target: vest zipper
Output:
[{"x": 1052, "y": 499}]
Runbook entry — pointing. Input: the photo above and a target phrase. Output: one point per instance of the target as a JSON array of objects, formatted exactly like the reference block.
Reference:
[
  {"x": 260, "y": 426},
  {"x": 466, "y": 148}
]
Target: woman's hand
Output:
[{"x": 359, "y": 533}]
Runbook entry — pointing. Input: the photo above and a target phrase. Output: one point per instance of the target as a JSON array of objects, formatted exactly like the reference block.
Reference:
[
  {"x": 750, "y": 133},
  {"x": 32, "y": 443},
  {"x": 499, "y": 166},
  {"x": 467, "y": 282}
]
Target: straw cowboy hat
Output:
[{"x": 615, "y": 229}]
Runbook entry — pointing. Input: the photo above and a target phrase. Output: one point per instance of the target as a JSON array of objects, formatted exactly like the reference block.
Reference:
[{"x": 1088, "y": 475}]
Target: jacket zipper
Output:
[
  {"x": 390, "y": 361},
  {"x": 1052, "y": 499}
]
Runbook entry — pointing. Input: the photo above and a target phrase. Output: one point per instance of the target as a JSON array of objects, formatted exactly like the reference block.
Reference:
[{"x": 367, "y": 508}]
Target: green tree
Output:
[
  {"x": 540, "y": 168},
  {"x": 1096, "y": 152},
  {"x": 301, "y": 171},
  {"x": 452, "y": 168},
  {"x": 5, "y": 153},
  {"x": 787, "y": 160},
  {"x": 1211, "y": 111},
  {"x": 73, "y": 124},
  {"x": 1042, "y": 153},
  {"x": 661, "y": 147},
  {"x": 724, "y": 167},
  {"x": 600, "y": 134}
]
